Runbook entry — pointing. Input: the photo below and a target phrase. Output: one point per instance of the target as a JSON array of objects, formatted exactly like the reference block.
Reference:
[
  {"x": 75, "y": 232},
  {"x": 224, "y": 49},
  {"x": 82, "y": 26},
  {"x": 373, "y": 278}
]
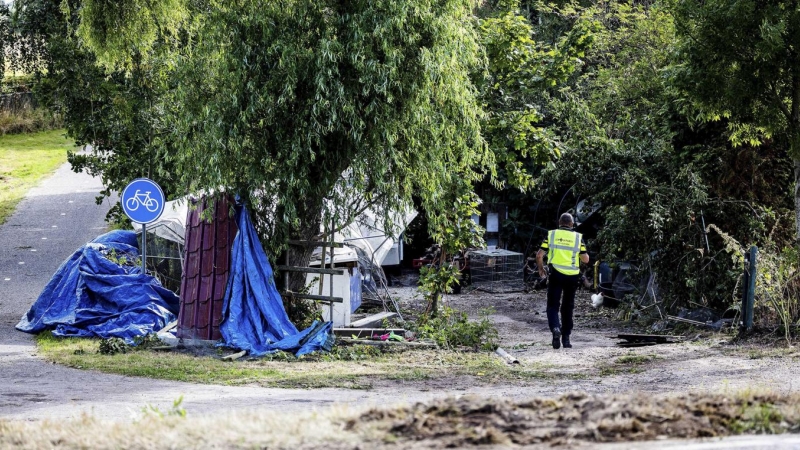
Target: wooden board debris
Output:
[
  {"x": 234, "y": 356},
  {"x": 373, "y": 321},
  {"x": 640, "y": 340}
]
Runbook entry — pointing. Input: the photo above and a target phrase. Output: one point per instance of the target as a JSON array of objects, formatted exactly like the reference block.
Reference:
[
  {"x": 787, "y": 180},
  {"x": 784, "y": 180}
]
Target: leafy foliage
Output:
[
  {"x": 114, "y": 345},
  {"x": 739, "y": 61},
  {"x": 115, "y": 112},
  {"x": 453, "y": 329},
  {"x": 117, "y": 30},
  {"x": 628, "y": 145},
  {"x": 315, "y": 110},
  {"x": 521, "y": 70}
]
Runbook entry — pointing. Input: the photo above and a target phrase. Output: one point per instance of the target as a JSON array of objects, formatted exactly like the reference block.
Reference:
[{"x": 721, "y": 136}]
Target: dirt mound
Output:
[{"x": 578, "y": 417}]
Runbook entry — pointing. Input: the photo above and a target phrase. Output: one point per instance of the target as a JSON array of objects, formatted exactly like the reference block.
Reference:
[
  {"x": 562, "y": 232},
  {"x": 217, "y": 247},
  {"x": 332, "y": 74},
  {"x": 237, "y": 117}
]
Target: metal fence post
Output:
[{"x": 749, "y": 288}]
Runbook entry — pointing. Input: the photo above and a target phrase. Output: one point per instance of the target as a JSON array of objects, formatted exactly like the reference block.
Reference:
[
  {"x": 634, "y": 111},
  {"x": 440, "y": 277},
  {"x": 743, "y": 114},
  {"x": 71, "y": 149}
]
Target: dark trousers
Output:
[{"x": 557, "y": 284}]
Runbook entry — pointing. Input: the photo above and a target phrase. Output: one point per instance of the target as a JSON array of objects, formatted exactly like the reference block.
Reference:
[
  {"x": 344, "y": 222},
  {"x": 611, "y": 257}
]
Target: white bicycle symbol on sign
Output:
[{"x": 133, "y": 203}]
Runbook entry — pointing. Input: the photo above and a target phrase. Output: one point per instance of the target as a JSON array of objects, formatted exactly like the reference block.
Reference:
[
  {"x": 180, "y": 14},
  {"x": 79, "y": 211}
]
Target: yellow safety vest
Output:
[{"x": 563, "y": 250}]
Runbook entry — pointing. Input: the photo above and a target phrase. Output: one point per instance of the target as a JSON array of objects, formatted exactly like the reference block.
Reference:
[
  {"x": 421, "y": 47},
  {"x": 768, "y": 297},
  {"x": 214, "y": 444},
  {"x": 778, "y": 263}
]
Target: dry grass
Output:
[
  {"x": 28, "y": 120},
  {"x": 454, "y": 423},
  {"x": 239, "y": 430}
]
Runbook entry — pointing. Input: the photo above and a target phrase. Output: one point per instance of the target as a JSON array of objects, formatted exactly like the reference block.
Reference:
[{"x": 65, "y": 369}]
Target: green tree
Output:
[
  {"x": 116, "y": 112},
  {"x": 313, "y": 110},
  {"x": 739, "y": 61},
  {"x": 522, "y": 72},
  {"x": 628, "y": 144}
]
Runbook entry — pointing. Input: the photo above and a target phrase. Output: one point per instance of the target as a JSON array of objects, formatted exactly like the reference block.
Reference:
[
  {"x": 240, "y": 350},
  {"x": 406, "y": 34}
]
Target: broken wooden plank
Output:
[
  {"x": 387, "y": 342},
  {"x": 506, "y": 356},
  {"x": 234, "y": 356},
  {"x": 319, "y": 298},
  {"x": 638, "y": 344},
  {"x": 367, "y": 332},
  {"x": 657, "y": 338},
  {"x": 642, "y": 340},
  {"x": 168, "y": 327},
  {"x": 311, "y": 270},
  {"x": 373, "y": 321}
]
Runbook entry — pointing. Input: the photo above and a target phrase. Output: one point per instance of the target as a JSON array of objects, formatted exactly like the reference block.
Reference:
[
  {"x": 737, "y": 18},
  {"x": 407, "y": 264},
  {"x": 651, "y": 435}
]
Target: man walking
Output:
[{"x": 564, "y": 249}]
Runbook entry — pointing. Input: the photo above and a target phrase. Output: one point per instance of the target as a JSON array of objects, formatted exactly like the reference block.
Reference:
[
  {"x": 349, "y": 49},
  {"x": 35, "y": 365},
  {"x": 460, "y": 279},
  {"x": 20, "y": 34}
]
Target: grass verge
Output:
[
  {"x": 24, "y": 160},
  {"x": 346, "y": 367}
]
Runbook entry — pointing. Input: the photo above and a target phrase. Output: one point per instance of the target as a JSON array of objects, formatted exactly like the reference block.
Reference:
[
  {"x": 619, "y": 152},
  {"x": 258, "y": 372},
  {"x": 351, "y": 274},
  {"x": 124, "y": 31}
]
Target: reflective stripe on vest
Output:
[{"x": 564, "y": 257}]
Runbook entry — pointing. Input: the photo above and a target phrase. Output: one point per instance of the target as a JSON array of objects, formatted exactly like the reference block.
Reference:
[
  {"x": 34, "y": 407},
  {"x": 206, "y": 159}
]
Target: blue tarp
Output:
[
  {"x": 253, "y": 315},
  {"x": 91, "y": 295}
]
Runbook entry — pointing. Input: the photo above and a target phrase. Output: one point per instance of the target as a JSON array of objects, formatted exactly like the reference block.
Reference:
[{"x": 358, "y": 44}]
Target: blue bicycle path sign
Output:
[{"x": 143, "y": 201}]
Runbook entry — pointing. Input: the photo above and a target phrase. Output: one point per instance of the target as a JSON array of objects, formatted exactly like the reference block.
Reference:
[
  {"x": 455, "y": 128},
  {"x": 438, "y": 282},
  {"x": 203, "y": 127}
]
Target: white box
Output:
[{"x": 347, "y": 286}]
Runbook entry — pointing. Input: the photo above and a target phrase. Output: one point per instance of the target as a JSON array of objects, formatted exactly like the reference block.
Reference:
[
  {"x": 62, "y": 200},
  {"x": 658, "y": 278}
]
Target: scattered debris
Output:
[
  {"x": 576, "y": 417},
  {"x": 643, "y": 340},
  {"x": 234, "y": 356},
  {"x": 169, "y": 326},
  {"x": 351, "y": 341},
  {"x": 506, "y": 356},
  {"x": 361, "y": 333},
  {"x": 373, "y": 321},
  {"x": 716, "y": 326}
]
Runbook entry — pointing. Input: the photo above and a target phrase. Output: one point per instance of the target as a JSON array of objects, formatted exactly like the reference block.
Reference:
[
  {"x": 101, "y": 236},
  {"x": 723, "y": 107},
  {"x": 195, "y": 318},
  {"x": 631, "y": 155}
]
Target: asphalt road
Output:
[{"x": 54, "y": 219}]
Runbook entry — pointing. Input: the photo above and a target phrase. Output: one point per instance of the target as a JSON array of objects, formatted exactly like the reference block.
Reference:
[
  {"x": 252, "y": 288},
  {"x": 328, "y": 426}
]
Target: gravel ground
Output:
[{"x": 703, "y": 363}]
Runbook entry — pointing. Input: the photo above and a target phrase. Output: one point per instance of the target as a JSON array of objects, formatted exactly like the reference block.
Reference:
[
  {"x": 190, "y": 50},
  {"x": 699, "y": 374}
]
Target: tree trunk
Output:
[{"x": 301, "y": 256}]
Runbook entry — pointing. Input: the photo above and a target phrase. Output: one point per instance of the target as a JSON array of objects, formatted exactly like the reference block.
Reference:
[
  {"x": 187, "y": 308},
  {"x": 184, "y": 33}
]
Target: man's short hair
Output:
[{"x": 565, "y": 220}]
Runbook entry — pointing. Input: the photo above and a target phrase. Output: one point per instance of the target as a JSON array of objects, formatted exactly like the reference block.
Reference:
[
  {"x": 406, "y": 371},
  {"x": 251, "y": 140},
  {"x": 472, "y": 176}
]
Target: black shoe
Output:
[
  {"x": 556, "y": 338},
  {"x": 565, "y": 341}
]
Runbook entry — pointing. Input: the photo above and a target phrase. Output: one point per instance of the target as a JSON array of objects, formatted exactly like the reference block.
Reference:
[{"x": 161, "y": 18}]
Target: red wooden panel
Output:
[
  {"x": 193, "y": 238},
  {"x": 220, "y": 281},
  {"x": 207, "y": 265}
]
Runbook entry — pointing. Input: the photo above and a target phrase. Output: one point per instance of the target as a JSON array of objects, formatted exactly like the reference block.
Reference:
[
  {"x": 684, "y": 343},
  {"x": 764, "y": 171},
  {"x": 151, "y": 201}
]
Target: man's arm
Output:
[
  {"x": 540, "y": 263},
  {"x": 584, "y": 258}
]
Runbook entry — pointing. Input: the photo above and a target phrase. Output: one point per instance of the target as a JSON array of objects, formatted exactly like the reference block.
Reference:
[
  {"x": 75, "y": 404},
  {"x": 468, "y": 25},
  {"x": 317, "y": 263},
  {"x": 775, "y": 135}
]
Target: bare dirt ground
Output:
[{"x": 705, "y": 362}]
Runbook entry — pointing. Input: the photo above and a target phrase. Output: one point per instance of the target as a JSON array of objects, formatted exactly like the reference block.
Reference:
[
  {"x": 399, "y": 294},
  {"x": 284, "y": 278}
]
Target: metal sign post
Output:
[
  {"x": 144, "y": 248},
  {"x": 143, "y": 202}
]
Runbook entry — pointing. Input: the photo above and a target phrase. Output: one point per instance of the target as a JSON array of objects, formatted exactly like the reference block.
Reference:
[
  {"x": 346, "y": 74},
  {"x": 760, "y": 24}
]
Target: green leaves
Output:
[
  {"x": 316, "y": 109},
  {"x": 118, "y": 30},
  {"x": 521, "y": 73},
  {"x": 738, "y": 61}
]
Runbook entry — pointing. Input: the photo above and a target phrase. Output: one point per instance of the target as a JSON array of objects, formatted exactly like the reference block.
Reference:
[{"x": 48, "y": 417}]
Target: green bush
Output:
[
  {"x": 114, "y": 345},
  {"x": 28, "y": 121},
  {"x": 451, "y": 328}
]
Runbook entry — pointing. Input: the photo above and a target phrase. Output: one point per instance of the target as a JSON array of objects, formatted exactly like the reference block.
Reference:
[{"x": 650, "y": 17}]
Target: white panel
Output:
[
  {"x": 341, "y": 288},
  {"x": 492, "y": 223}
]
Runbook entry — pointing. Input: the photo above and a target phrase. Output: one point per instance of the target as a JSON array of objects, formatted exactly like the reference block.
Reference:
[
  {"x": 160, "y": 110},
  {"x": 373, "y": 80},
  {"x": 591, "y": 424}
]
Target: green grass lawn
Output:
[{"x": 24, "y": 160}]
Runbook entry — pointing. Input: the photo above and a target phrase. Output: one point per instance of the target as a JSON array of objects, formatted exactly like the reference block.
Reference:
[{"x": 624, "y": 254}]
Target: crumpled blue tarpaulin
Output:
[
  {"x": 253, "y": 317},
  {"x": 90, "y": 295}
]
